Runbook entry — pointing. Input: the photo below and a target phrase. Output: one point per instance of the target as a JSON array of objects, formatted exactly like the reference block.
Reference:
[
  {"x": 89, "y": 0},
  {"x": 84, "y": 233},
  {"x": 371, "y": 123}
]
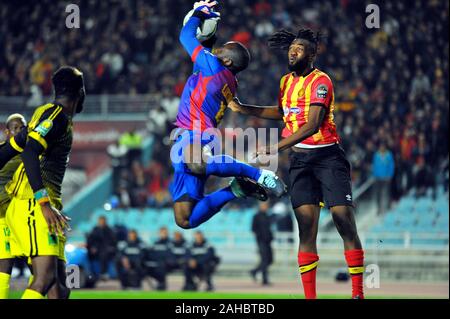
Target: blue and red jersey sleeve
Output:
[{"x": 205, "y": 61}]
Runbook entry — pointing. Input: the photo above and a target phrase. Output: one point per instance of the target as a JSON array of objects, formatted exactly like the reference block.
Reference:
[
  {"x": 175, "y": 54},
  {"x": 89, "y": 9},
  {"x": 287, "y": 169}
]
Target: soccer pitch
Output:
[{"x": 98, "y": 294}]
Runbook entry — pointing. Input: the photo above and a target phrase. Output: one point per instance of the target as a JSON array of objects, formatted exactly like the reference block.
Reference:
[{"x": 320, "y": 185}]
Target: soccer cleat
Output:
[
  {"x": 272, "y": 182},
  {"x": 245, "y": 187}
]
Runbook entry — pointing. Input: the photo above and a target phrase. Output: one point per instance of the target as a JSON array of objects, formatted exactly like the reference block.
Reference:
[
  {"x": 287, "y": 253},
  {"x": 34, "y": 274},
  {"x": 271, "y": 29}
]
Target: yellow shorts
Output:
[
  {"x": 30, "y": 235},
  {"x": 5, "y": 249}
]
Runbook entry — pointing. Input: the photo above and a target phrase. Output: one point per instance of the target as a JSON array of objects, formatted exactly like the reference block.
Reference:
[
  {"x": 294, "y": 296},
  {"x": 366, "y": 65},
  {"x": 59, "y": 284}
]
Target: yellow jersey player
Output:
[
  {"x": 14, "y": 125},
  {"x": 37, "y": 226}
]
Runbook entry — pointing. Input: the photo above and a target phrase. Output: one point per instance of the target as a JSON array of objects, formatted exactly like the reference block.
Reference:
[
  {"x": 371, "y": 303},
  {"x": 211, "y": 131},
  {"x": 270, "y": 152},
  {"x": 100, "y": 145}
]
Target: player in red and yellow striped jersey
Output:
[
  {"x": 319, "y": 169},
  {"x": 296, "y": 98}
]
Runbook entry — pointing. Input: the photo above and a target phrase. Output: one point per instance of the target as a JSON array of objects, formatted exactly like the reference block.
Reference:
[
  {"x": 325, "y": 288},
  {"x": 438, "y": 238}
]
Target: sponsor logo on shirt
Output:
[{"x": 322, "y": 91}]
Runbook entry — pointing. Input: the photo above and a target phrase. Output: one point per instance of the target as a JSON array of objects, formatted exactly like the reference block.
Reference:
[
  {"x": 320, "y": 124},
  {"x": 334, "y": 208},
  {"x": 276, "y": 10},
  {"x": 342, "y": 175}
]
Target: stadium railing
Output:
[{"x": 100, "y": 106}]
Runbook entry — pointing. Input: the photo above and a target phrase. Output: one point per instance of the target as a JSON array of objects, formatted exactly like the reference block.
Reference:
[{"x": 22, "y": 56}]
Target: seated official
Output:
[
  {"x": 179, "y": 249},
  {"x": 159, "y": 259},
  {"x": 201, "y": 264},
  {"x": 130, "y": 266}
]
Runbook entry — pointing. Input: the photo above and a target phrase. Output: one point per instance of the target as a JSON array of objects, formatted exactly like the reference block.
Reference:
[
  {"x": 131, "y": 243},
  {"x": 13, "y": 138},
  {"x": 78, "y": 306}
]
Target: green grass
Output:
[{"x": 98, "y": 294}]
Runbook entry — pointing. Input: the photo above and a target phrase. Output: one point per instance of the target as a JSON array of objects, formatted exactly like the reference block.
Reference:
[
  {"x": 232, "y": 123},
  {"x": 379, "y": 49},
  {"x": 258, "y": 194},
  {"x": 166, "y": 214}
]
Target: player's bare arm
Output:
[
  {"x": 267, "y": 112},
  {"x": 315, "y": 119}
]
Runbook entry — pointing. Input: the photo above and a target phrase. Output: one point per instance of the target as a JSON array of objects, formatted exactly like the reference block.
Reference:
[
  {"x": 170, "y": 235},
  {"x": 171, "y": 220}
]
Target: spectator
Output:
[
  {"x": 101, "y": 245},
  {"x": 180, "y": 251},
  {"x": 157, "y": 187},
  {"x": 137, "y": 185},
  {"x": 118, "y": 160},
  {"x": 383, "y": 171},
  {"x": 169, "y": 103},
  {"x": 157, "y": 122},
  {"x": 132, "y": 140},
  {"x": 261, "y": 227},
  {"x": 420, "y": 84},
  {"x": 423, "y": 178},
  {"x": 41, "y": 73},
  {"x": 130, "y": 261},
  {"x": 202, "y": 262}
]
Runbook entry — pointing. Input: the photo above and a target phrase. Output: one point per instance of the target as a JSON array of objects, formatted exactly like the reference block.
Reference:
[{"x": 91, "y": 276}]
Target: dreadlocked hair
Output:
[{"x": 283, "y": 39}]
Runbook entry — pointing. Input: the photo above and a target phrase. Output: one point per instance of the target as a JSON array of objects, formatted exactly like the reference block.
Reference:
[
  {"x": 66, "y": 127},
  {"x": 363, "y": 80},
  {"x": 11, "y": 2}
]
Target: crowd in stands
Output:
[
  {"x": 390, "y": 82},
  {"x": 134, "y": 260}
]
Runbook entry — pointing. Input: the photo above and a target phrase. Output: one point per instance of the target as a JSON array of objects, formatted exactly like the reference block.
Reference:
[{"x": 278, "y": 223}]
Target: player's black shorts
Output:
[{"x": 320, "y": 175}]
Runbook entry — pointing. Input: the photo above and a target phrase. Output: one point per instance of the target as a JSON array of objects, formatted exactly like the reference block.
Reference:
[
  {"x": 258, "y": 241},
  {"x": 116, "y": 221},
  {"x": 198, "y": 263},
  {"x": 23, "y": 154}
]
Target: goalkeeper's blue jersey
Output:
[{"x": 208, "y": 90}]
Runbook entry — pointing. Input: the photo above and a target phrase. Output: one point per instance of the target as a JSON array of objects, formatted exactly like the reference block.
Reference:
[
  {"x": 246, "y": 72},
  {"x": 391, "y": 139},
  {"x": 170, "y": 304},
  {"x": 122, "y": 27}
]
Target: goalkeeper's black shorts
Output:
[{"x": 320, "y": 175}]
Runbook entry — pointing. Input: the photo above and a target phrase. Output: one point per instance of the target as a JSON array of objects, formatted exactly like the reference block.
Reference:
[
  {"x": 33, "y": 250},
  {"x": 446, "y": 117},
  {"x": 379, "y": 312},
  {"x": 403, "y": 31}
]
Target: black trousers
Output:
[
  {"x": 203, "y": 271},
  {"x": 159, "y": 273},
  {"x": 104, "y": 255},
  {"x": 266, "y": 259},
  {"x": 130, "y": 277}
]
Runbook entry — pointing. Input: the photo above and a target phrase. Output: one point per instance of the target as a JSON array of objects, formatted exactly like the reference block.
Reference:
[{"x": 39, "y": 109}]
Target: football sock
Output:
[
  {"x": 32, "y": 294},
  {"x": 226, "y": 166},
  {"x": 308, "y": 266},
  {"x": 355, "y": 262},
  {"x": 209, "y": 206},
  {"x": 4, "y": 285}
]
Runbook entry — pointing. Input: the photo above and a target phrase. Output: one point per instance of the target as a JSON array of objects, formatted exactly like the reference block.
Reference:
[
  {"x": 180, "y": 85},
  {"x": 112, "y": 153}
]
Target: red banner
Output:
[{"x": 98, "y": 135}]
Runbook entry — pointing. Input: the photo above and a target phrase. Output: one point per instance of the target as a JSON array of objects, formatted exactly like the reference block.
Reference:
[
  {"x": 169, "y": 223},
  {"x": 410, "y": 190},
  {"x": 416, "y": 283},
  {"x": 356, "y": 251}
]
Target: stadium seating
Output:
[
  {"x": 230, "y": 223},
  {"x": 424, "y": 221}
]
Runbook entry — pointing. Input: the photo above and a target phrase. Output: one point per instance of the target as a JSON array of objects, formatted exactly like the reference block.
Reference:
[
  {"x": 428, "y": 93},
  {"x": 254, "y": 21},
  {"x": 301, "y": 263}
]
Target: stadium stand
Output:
[{"x": 417, "y": 216}]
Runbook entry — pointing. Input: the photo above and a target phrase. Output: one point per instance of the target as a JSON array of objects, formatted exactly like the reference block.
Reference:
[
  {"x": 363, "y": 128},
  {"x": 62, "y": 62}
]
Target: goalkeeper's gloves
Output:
[{"x": 204, "y": 10}]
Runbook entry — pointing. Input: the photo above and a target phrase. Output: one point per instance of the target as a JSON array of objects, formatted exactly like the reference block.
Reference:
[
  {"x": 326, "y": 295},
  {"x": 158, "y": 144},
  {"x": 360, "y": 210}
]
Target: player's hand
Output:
[
  {"x": 206, "y": 7},
  {"x": 57, "y": 222},
  {"x": 235, "y": 105}
]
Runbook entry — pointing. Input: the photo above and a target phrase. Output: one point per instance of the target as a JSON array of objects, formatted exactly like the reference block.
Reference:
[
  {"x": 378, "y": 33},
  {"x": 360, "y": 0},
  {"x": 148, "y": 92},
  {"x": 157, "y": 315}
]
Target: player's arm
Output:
[
  {"x": 53, "y": 123},
  {"x": 315, "y": 119},
  {"x": 266, "y": 112},
  {"x": 201, "y": 56},
  {"x": 320, "y": 102},
  {"x": 13, "y": 147}
]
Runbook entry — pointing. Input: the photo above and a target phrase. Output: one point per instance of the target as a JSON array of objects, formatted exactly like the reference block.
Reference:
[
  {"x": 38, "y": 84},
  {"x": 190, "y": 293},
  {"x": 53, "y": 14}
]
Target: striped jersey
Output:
[
  {"x": 208, "y": 90},
  {"x": 6, "y": 173},
  {"x": 297, "y": 94},
  {"x": 53, "y": 130}
]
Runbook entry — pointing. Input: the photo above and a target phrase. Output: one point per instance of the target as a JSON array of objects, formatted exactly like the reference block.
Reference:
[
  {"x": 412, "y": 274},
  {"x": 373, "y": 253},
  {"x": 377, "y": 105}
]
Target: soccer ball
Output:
[{"x": 207, "y": 28}]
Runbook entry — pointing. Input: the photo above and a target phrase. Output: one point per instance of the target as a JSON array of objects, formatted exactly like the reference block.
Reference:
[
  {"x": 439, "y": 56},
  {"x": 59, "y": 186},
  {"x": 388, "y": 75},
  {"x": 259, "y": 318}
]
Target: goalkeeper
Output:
[{"x": 203, "y": 102}]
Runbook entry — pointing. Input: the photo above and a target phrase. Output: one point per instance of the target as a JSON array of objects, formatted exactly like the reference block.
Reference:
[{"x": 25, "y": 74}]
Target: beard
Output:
[{"x": 298, "y": 66}]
